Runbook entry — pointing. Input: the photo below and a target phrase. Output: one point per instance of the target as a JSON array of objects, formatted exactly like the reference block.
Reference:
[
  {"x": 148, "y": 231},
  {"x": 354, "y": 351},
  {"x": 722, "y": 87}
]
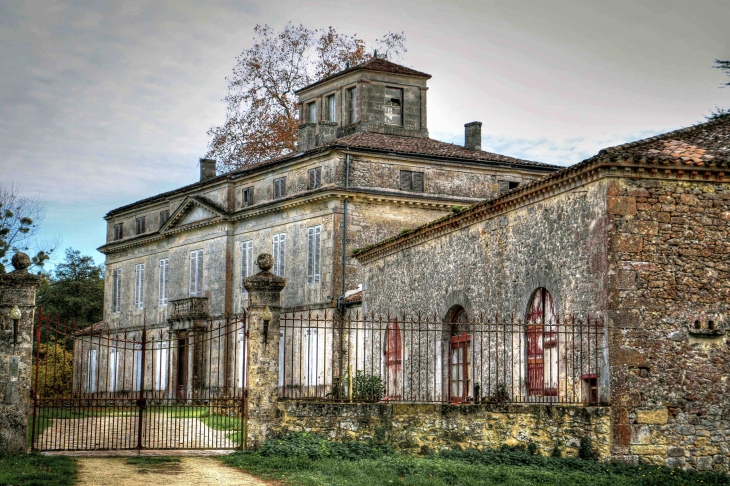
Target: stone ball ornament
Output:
[
  {"x": 20, "y": 261},
  {"x": 265, "y": 261}
]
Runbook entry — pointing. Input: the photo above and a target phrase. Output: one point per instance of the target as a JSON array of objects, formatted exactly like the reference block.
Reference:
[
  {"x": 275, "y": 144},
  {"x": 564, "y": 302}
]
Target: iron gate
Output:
[{"x": 97, "y": 388}]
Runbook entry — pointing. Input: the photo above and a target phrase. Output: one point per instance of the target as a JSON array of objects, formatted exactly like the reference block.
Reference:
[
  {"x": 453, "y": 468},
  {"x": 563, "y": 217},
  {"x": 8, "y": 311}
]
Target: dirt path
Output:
[{"x": 182, "y": 471}]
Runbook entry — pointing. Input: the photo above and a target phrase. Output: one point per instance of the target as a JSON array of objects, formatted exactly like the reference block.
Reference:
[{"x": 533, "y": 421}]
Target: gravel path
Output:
[{"x": 197, "y": 471}]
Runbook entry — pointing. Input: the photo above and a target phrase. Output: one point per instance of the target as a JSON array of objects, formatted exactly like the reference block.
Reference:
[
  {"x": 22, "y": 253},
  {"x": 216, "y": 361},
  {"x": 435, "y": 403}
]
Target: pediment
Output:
[{"x": 195, "y": 209}]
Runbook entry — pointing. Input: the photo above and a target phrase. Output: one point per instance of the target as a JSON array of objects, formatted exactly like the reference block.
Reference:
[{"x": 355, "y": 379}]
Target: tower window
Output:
[
  {"x": 118, "y": 233},
  {"x": 411, "y": 181},
  {"x": 331, "y": 114},
  {"x": 312, "y": 112},
  {"x": 393, "y": 106},
  {"x": 351, "y": 105}
]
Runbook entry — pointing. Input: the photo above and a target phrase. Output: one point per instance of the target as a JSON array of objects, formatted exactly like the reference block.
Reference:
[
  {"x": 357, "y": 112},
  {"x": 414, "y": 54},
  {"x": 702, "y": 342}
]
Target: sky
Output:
[{"x": 105, "y": 103}]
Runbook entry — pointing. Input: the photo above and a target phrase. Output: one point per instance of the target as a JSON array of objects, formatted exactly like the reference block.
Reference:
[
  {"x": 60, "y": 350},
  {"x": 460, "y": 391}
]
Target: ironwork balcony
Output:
[{"x": 192, "y": 308}]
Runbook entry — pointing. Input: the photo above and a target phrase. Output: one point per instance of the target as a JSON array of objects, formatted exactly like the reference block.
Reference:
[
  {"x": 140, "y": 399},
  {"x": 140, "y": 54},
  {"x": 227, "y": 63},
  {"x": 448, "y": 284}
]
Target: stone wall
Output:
[
  {"x": 420, "y": 428},
  {"x": 669, "y": 298}
]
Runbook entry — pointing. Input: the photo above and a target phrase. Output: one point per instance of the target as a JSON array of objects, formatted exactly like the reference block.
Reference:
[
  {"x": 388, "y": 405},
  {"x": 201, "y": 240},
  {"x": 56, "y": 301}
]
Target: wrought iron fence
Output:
[{"x": 424, "y": 359}]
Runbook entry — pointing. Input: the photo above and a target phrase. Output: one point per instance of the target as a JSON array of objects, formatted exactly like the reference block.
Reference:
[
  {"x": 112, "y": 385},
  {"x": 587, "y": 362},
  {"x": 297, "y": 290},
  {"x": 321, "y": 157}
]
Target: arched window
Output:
[
  {"x": 459, "y": 355},
  {"x": 542, "y": 350},
  {"x": 393, "y": 361}
]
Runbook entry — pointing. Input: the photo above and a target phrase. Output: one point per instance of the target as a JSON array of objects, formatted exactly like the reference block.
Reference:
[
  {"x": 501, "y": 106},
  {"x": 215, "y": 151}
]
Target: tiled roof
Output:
[
  {"x": 95, "y": 328},
  {"x": 423, "y": 146},
  {"x": 375, "y": 64},
  {"x": 353, "y": 299}
]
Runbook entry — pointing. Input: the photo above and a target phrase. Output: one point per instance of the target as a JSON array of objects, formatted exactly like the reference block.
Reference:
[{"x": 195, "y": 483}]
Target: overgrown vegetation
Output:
[
  {"x": 35, "y": 470},
  {"x": 310, "y": 459},
  {"x": 365, "y": 387}
]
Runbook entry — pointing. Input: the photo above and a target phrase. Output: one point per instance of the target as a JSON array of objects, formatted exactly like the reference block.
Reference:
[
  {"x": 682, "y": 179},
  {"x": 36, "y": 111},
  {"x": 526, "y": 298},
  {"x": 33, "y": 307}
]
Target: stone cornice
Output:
[{"x": 606, "y": 164}]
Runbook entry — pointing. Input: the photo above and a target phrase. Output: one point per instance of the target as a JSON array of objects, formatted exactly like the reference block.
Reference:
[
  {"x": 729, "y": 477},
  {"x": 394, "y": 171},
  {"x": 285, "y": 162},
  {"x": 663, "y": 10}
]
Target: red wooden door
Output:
[
  {"x": 393, "y": 361},
  {"x": 540, "y": 319},
  {"x": 459, "y": 358}
]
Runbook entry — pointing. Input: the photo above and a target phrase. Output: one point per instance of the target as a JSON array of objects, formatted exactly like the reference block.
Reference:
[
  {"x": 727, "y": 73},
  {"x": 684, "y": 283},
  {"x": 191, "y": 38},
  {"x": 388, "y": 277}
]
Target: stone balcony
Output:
[{"x": 189, "y": 308}]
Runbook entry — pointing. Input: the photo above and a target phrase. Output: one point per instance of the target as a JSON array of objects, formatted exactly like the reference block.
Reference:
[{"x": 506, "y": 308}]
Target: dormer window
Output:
[
  {"x": 393, "y": 106},
  {"x": 118, "y": 231},
  {"x": 164, "y": 216},
  {"x": 279, "y": 187},
  {"x": 248, "y": 196},
  {"x": 314, "y": 178},
  {"x": 351, "y": 105},
  {"x": 141, "y": 228},
  {"x": 331, "y": 114},
  {"x": 312, "y": 112}
]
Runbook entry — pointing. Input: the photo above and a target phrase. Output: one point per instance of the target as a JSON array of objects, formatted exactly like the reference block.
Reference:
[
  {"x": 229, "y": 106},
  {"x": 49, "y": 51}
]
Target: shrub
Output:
[
  {"x": 586, "y": 450},
  {"x": 365, "y": 387},
  {"x": 55, "y": 378},
  {"x": 313, "y": 446},
  {"x": 557, "y": 450}
]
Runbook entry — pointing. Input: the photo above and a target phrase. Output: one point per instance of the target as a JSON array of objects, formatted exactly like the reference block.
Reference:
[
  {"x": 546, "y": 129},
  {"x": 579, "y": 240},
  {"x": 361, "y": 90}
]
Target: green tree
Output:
[
  {"x": 75, "y": 290},
  {"x": 20, "y": 219},
  {"x": 720, "y": 112}
]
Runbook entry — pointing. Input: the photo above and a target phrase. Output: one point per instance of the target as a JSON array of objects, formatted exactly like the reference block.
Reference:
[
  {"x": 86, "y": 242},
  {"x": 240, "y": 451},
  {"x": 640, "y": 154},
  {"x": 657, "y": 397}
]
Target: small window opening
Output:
[
  {"x": 710, "y": 325},
  {"x": 393, "y": 106},
  {"x": 331, "y": 114},
  {"x": 697, "y": 324},
  {"x": 140, "y": 225},
  {"x": 513, "y": 185},
  {"x": 248, "y": 196},
  {"x": 312, "y": 112}
]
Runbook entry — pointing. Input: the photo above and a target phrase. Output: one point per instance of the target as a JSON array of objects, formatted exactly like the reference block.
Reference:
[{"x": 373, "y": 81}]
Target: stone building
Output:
[
  {"x": 637, "y": 237},
  {"x": 365, "y": 170}
]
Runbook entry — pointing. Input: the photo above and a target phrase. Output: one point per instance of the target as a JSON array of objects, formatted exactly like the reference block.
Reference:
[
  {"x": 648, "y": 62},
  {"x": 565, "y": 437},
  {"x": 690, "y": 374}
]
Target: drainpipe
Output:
[{"x": 340, "y": 306}]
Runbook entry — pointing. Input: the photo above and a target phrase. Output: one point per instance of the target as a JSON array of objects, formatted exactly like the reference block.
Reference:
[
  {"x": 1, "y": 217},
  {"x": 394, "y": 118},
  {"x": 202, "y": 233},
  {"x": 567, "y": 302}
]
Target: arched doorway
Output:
[
  {"x": 393, "y": 361},
  {"x": 459, "y": 355},
  {"x": 542, "y": 345}
]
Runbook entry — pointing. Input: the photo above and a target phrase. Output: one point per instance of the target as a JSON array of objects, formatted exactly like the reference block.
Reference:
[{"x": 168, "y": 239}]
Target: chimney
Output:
[
  {"x": 207, "y": 169},
  {"x": 473, "y": 135}
]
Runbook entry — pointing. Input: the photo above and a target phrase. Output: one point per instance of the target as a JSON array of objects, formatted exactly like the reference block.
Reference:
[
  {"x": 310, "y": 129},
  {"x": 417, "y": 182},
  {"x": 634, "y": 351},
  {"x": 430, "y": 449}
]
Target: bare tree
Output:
[
  {"x": 20, "y": 219},
  {"x": 720, "y": 112},
  {"x": 261, "y": 112}
]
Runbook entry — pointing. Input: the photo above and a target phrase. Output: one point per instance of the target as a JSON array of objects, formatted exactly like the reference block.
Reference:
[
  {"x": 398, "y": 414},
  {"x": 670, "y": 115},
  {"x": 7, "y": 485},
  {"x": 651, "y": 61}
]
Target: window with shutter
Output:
[
  {"x": 279, "y": 187},
  {"x": 313, "y": 254},
  {"x": 140, "y": 225},
  {"x": 417, "y": 180},
  {"x": 196, "y": 273},
  {"x": 405, "y": 180},
  {"x": 279, "y": 250},
  {"x": 164, "y": 266},
  {"x": 503, "y": 187},
  {"x": 393, "y": 106},
  {"x": 411, "y": 181},
  {"x": 139, "y": 286},
  {"x": 116, "y": 289},
  {"x": 164, "y": 216},
  {"x": 118, "y": 233},
  {"x": 315, "y": 178},
  {"x": 351, "y": 96},
  {"x": 248, "y": 196},
  {"x": 331, "y": 113},
  {"x": 246, "y": 260}
]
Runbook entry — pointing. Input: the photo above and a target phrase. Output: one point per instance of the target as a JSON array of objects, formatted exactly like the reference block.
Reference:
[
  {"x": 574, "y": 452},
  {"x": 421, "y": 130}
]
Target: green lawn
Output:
[
  {"x": 299, "y": 462},
  {"x": 37, "y": 470}
]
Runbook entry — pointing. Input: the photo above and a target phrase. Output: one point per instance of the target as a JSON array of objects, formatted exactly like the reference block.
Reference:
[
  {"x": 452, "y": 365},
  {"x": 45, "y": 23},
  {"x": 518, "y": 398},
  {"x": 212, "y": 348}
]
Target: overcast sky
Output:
[{"x": 104, "y": 103}]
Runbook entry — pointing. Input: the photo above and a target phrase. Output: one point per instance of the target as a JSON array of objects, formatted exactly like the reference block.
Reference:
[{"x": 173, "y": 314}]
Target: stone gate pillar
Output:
[
  {"x": 264, "y": 290},
  {"x": 17, "y": 293}
]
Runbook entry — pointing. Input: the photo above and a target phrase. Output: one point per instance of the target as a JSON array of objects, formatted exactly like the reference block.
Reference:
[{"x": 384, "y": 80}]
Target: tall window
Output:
[
  {"x": 331, "y": 114},
  {"x": 313, "y": 253},
  {"x": 162, "y": 349},
  {"x": 137, "y": 368},
  {"x": 164, "y": 216},
  {"x": 393, "y": 106},
  {"x": 141, "y": 227},
  {"x": 116, "y": 289},
  {"x": 411, "y": 181},
  {"x": 542, "y": 341},
  {"x": 279, "y": 187},
  {"x": 196, "y": 273},
  {"x": 312, "y": 112},
  {"x": 118, "y": 231},
  {"x": 351, "y": 105},
  {"x": 314, "y": 178},
  {"x": 459, "y": 356},
  {"x": 247, "y": 197},
  {"x": 92, "y": 365},
  {"x": 240, "y": 359},
  {"x": 139, "y": 286},
  {"x": 246, "y": 260},
  {"x": 393, "y": 360},
  {"x": 164, "y": 268},
  {"x": 112, "y": 370},
  {"x": 279, "y": 250}
]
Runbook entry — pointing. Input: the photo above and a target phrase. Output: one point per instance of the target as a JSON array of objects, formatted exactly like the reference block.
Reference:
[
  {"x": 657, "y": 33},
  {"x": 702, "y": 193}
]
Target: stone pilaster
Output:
[
  {"x": 264, "y": 290},
  {"x": 17, "y": 288}
]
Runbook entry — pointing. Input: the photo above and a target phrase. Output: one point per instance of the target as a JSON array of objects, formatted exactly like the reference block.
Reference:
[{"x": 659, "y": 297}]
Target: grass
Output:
[
  {"x": 37, "y": 470},
  {"x": 310, "y": 462}
]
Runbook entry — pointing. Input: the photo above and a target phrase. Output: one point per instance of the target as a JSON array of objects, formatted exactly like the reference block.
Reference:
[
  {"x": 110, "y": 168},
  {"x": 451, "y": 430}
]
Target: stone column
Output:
[
  {"x": 17, "y": 288},
  {"x": 264, "y": 290}
]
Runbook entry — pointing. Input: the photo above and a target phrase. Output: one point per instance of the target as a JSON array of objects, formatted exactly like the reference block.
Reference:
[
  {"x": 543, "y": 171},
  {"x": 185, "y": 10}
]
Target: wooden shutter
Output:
[
  {"x": 405, "y": 180},
  {"x": 503, "y": 187},
  {"x": 310, "y": 255},
  {"x": 318, "y": 176},
  {"x": 199, "y": 279},
  {"x": 116, "y": 289},
  {"x": 193, "y": 271},
  {"x": 317, "y": 242},
  {"x": 417, "y": 180},
  {"x": 282, "y": 253}
]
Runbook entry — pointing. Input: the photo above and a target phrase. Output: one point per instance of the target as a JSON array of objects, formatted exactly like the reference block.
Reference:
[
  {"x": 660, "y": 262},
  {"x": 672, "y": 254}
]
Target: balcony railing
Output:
[{"x": 189, "y": 308}]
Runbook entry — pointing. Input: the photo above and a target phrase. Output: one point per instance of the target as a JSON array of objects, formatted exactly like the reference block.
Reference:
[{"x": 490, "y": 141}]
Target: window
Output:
[
  {"x": 246, "y": 260},
  {"x": 140, "y": 225},
  {"x": 116, "y": 289},
  {"x": 313, "y": 253},
  {"x": 331, "y": 113},
  {"x": 279, "y": 251},
  {"x": 118, "y": 231},
  {"x": 393, "y": 360},
  {"x": 248, "y": 197},
  {"x": 351, "y": 97},
  {"x": 241, "y": 360},
  {"x": 196, "y": 273},
  {"x": 411, "y": 181},
  {"x": 312, "y": 112},
  {"x": 505, "y": 186},
  {"x": 139, "y": 286},
  {"x": 164, "y": 267},
  {"x": 279, "y": 187},
  {"x": 137, "y": 368},
  {"x": 162, "y": 349},
  {"x": 459, "y": 356},
  {"x": 393, "y": 106},
  {"x": 91, "y": 377},
  {"x": 164, "y": 216},
  {"x": 312, "y": 364},
  {"x": 113, "y": 369},
  {"x": 315, "y": 178},
  {"x": 541, "y": 341}
]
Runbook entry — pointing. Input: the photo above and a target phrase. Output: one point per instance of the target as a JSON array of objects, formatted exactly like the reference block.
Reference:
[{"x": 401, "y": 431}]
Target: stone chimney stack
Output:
[
  {"x": 207, "y": 169},
  {"x": 473, "y": 135}
]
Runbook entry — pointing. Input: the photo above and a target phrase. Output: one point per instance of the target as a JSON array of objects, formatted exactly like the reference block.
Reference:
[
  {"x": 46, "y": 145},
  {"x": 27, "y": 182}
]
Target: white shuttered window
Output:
[
  {"x": 139, "y": 286},
  {"x": 246, "y": 260},
  {"x": 112, "y": 370},
  {"x": 162, "y": 349},
  {"x": 91, "y": 376},
  {"x": 314, "y": 235},
  {"x": 116, "y": 289},
  {"x": 196, "y": 273},
  {"x": 164, "y": 267},
  {"x": 279, "y": 250}
]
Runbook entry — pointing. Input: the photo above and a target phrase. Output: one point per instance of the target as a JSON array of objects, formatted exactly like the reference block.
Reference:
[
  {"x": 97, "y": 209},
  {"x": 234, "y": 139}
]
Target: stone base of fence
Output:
[{"x": 421, "y": 428}]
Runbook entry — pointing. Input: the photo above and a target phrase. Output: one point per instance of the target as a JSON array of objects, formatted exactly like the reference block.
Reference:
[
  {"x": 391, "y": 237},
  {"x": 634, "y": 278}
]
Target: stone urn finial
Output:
[
  {"x": 20, "y": 261},
  {"x": 265, "y": 262}
]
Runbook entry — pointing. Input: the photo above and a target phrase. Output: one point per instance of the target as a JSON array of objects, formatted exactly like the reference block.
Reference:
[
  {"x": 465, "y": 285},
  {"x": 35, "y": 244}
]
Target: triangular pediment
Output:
[{"x": 194, "y": 209}]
